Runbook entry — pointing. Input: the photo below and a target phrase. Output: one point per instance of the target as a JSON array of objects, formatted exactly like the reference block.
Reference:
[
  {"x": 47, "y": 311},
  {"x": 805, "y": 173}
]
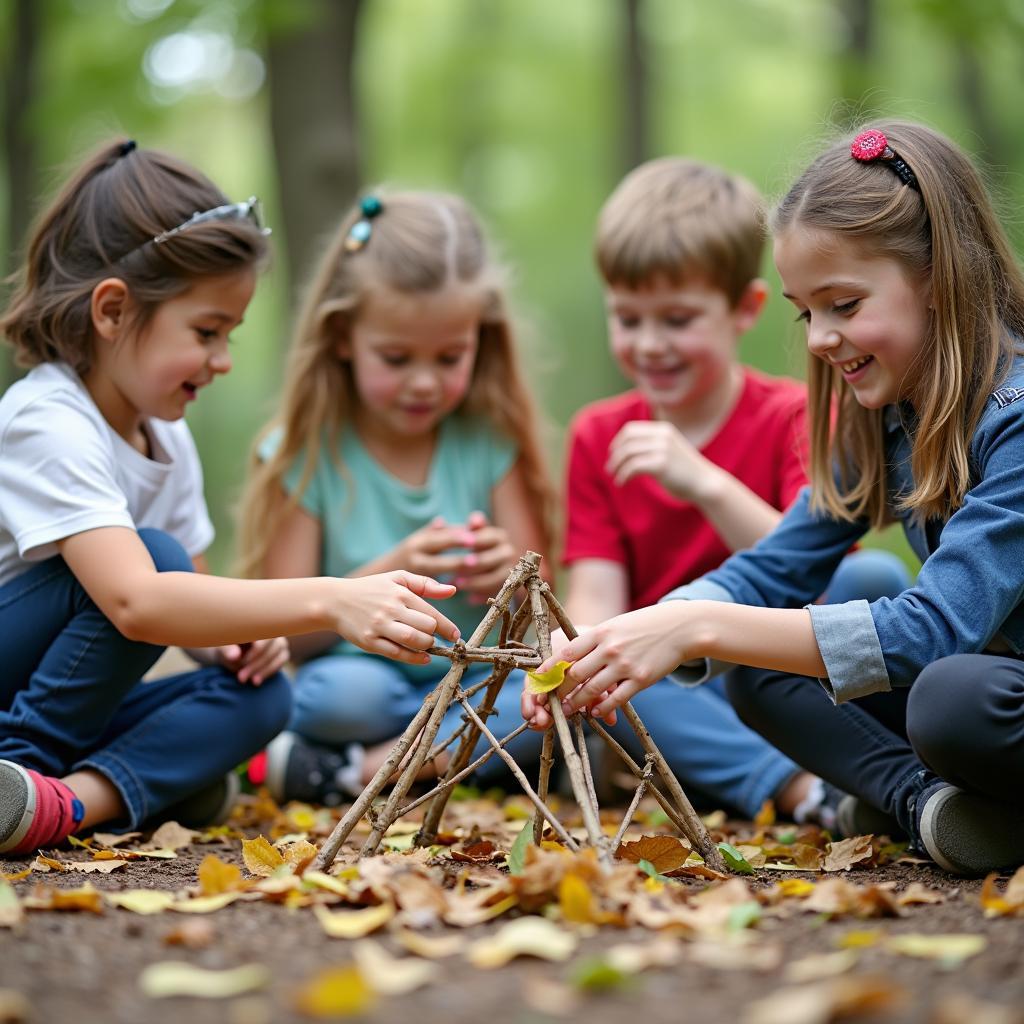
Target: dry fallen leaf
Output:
[
  {"x": 176, "y": 978},
  {"x": 170, "y": 836},
  {"x": 141, "y": 901},
  {"x": 825, "y": 1001},
  {"x": 951, "y": 948},
  {"x": 528, "y": 936},
  {"x": 260, "y": 857},
  {"x": 665, "y": 853},
  {"x": 844, "y": 853},
  {"x": 433, "y": 947},
  {"x": 820, "y": 965},
  {"x": 388, "y": 975},
  {"x": 217, "y": 876},
  {"x": 335, "y": 992},
  {"x": 14, "y": 1007},
  {"x": 353, "y": 924},
  {"x": 11, "y": 913},
  {"x": 194, "y": 933}
]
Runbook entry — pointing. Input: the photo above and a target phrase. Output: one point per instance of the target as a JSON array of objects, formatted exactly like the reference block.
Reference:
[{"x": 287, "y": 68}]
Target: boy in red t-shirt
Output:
[{"x": 697, "y": 461}]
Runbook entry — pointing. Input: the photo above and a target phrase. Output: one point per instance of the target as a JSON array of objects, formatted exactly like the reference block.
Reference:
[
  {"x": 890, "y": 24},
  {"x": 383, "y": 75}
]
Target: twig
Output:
[
  {"x": 522, "y": 780},
  {"x": 634, "y": 803},
  {"x": 581, "y": 744},
  {"x": 547, "y": 759},
  {"x": 468, "y": 770},
  {"x": 495, "y": 655}
]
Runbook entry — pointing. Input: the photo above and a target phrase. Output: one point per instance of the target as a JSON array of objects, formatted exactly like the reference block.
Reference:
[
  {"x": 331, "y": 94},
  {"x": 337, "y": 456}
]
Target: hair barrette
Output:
[
  {"x": 873, "y": 145},
  {"x": 126, "y": 147},
  {"x": 359, "y": 234}
]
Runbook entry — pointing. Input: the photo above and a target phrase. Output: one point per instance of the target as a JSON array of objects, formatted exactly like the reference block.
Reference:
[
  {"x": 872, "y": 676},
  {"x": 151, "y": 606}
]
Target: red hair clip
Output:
[{"x": 872, "y": 145}]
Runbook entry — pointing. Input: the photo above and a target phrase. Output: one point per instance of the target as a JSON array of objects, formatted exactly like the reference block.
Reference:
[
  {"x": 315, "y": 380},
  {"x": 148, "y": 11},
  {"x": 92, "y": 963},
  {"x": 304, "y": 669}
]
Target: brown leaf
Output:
[
  {"x": 665, "y": 853},
  {"x": 842, "y": 855},
  {"x": 170, "y": 836},
  {"x": 826, "y": 1001},
  {"x": 480, "y": 852}
]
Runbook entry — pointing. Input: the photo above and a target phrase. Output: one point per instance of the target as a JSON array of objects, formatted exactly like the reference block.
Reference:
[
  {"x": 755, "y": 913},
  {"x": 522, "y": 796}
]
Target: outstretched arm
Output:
[{"x": 386, "y": 614}]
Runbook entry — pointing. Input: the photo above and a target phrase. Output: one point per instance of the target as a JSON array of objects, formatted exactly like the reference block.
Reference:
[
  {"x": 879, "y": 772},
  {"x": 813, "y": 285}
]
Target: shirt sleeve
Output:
[
  {"x": 57, "y": 478},
  {"x": 592, "y": 529},
  {"x": 966, "y": 588}
]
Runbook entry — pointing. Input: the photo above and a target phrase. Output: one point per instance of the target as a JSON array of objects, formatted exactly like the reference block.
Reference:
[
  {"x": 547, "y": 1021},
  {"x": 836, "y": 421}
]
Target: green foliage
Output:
[
  {"x": 735, "y": 860},
  {"x": 516, "y": 859}
]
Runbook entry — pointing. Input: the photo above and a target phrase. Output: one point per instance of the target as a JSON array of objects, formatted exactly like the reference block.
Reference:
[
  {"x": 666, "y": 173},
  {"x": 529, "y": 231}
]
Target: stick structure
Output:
[{"x": 418, "y": 743}]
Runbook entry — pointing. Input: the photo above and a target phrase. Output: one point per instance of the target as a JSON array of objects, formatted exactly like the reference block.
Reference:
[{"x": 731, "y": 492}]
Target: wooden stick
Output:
[
  {"x": 694, "y": 828},
  {"x": 495, "y": 655},
  {"x": 523, "y": 569},
  {"x": 634, "y": 803},
  {"x": 547, "y": 759},
  {"x": 523, "y": 781},
  {"x": 577, "y": 777},
  {"x": 468, "y": 770},
  {"x": 581, "y": 744}
]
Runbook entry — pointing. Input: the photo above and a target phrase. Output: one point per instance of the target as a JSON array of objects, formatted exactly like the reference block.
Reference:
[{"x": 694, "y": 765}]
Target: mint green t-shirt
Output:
[{"x": 365, "y": 511}]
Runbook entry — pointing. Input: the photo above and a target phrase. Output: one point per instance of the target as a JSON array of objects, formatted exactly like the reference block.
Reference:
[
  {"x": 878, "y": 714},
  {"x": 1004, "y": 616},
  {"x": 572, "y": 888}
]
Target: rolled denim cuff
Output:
[
  {"x": 699, "y": 670},
  {"x": 849, "y": 646}
]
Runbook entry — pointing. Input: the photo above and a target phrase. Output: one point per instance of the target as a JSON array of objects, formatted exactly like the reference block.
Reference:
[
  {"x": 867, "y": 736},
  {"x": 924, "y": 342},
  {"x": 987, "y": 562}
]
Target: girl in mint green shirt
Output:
[{"x": 405, "y": 439}]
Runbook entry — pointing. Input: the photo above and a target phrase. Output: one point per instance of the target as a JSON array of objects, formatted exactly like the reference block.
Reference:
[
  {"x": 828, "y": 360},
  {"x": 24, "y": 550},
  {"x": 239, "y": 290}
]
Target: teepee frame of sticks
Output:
[{"x": 416, "y": 745}]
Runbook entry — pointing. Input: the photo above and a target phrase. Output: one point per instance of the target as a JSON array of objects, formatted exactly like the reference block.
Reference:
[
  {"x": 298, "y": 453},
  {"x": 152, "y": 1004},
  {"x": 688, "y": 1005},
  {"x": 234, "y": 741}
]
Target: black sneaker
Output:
[
  {"x": 969, "y": 834},
  {"x": 211, "y": 805},
  {"x": 314, "y": 774}
]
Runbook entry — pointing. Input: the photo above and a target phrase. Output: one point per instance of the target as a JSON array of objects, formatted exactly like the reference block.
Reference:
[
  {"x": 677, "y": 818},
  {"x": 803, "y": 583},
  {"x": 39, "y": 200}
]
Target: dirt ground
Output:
[{"x": 83, "y": 967}]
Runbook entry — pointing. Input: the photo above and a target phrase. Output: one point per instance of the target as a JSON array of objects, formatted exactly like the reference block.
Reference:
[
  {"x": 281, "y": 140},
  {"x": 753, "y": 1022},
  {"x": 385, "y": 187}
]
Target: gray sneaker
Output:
[
  {"x": 856, "y": 817},
  {"x": 969, "y": 834},
  {"x": 314, "y": 774}
]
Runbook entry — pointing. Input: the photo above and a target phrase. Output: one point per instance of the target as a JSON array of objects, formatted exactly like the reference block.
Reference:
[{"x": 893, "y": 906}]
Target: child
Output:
[
  {"x": 914, "y": 311},
  {"x": 123, "y": 312},
  {"x": 405, "y": 439},
  {"x": 667, "y": 480}
]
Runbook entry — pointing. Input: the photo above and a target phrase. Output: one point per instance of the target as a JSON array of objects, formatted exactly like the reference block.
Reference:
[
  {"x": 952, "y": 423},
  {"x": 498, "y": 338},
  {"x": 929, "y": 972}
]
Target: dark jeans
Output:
[
  {"x": 71, "y": 696},
  {"x": 961, "y": 721}
]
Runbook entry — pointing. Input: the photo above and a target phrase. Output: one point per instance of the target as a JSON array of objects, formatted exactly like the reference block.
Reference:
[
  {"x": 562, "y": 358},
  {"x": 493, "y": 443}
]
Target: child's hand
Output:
[
  {"x": 388, "y": 614},
  {"x": 652, "y": 448},
  {"x": 619, "y": 658},
  {"x": 257, "y": 661},
  {"x": 486, "y": 567},
  {"x": 423, "y": 552}
]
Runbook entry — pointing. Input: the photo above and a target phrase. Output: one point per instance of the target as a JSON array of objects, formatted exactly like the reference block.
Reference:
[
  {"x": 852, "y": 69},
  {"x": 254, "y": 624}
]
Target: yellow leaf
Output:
[
  {"x": 766, "y": 815},
  {"x": 141, "y": 901},
  {"x": 215, "y": 876},
  {"x": 433, "y": 947},
  {"x": 354, "y": 924},
  {"x": 11, "y": 913},
  {"x": 206, "y": 904},
  {"x": 527, "y": 936},
  {"x": 795, "y": 887},
  {"x": 15, "y": 876},
  {"x": 952, "y": 948},
  {"x": 336, "y": 992},
  {"x": 176, "y": 978},
  {"x": 260, "y": 857},
  {"x": 296, "y": 853},
  {"x": 860, "y": 938},
  {"x": 576, "y": 900},
  {"x": 84, "y": 898},
  {"x": 545, "y": 682},
  {"x": 388, "y": 975},
  {"x": 320, "y": 880}
]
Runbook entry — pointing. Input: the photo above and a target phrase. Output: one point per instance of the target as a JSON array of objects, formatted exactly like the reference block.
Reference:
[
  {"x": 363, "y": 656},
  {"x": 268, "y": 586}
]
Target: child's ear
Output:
[
  {"x": 108, "y": 308},
  {"x": 751, "y": 302}
]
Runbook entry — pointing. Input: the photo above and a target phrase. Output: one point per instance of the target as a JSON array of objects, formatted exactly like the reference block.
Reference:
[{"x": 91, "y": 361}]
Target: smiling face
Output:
[
  {"x": 158, "y": 370},
  {"x": 677, "y": 344},
  {"x": 412, "y": 357},
  {"x": 864, "y": 314}
]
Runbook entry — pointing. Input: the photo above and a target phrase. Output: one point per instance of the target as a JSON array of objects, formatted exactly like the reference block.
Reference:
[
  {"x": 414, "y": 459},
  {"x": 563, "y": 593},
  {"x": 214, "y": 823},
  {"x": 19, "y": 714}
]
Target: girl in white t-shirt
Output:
[{"x": 123, "y": 311}]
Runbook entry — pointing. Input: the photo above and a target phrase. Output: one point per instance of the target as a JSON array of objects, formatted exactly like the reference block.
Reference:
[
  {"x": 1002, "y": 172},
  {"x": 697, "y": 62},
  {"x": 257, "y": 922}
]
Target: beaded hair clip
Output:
[
  {"x": 359, "y": 234},
  {"x": 873, "y": 145}
]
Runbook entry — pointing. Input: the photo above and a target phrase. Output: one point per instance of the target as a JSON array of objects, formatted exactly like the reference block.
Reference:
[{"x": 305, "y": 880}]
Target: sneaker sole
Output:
[
  {"x": 982, "y": 838},
  {"x": 13, "y": 826},
  {"x": 277, "y": 762}
]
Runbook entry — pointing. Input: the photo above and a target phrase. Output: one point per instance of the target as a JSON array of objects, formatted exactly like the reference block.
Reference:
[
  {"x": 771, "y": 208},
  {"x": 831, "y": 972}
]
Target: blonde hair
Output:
[
  {"x": 948, "y": 234},
  {"x": 420, "y": 243},
  {"x": 679, "y": 219}
]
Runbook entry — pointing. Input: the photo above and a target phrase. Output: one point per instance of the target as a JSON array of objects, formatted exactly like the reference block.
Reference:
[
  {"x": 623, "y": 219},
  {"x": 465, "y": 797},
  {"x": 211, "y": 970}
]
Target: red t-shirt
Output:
[{"x": 661, "y": 541}]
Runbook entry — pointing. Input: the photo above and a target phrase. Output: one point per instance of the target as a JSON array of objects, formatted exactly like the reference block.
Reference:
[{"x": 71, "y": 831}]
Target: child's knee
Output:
[
  {"x": 167, "y": 554},
  {"x": 945, "y": 711}
]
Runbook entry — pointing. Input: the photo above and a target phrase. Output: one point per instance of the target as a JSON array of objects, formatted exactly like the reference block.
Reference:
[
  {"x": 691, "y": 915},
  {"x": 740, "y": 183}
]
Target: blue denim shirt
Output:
[{"x": 970, "y": 590}]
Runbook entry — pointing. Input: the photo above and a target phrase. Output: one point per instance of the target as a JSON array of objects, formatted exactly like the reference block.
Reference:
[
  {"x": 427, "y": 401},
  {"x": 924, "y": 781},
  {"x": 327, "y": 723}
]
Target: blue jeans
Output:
[
  {"x": 360, "y": 698},
  {"x": 71, "y": 696},
  {"x": 717, "y": 759}
]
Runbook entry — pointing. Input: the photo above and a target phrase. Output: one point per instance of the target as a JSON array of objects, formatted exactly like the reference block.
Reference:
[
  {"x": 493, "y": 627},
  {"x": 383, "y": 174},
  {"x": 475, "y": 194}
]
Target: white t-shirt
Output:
[{"x": 64, "y": 470}]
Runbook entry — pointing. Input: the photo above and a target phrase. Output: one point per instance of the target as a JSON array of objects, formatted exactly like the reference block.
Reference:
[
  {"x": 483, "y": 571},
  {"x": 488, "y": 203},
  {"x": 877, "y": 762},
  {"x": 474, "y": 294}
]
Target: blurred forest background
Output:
[{"x": 531, "y": 108}]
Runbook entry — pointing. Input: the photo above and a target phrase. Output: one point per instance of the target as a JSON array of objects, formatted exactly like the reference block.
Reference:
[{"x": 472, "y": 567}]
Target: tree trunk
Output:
[
  {"x": 635, "y": 110},
  {"x": 313, "y": 125},
  {"x": 20, "y": 157}
]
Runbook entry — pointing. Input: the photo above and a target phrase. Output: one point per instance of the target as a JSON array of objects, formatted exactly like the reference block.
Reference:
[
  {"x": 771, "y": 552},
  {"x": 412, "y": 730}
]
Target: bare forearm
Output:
[
  {"x": 772, "y": 638},
  {"x": 189, "y": 610},
  {"x": 740, "y": 517}
]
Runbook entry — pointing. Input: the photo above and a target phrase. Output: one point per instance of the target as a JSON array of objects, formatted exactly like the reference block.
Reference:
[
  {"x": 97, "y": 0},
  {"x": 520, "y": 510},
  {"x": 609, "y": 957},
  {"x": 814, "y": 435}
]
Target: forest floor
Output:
[{"x": 480, "y": 927}]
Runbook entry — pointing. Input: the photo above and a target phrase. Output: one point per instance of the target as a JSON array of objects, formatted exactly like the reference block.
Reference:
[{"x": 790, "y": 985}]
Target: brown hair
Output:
[
  {"x": 99, "y": 226},
  {"x": 421, "y": 243},
  {"x": 947, "y": 233},
  {"x": 679, "y": 219}
]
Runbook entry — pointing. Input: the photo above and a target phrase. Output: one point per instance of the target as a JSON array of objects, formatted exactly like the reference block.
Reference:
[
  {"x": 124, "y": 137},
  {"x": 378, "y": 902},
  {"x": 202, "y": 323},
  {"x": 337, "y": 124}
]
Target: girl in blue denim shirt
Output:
[
  {"x": 914, "y": 309},
  {"x": 135, "y": 277}
]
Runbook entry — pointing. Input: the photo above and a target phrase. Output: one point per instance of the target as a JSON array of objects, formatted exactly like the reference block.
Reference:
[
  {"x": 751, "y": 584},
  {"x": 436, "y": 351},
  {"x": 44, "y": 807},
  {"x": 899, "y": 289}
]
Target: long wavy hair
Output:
[
  {"x": 421, "y": 243},
  {"x": 947, "y": 234}
]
